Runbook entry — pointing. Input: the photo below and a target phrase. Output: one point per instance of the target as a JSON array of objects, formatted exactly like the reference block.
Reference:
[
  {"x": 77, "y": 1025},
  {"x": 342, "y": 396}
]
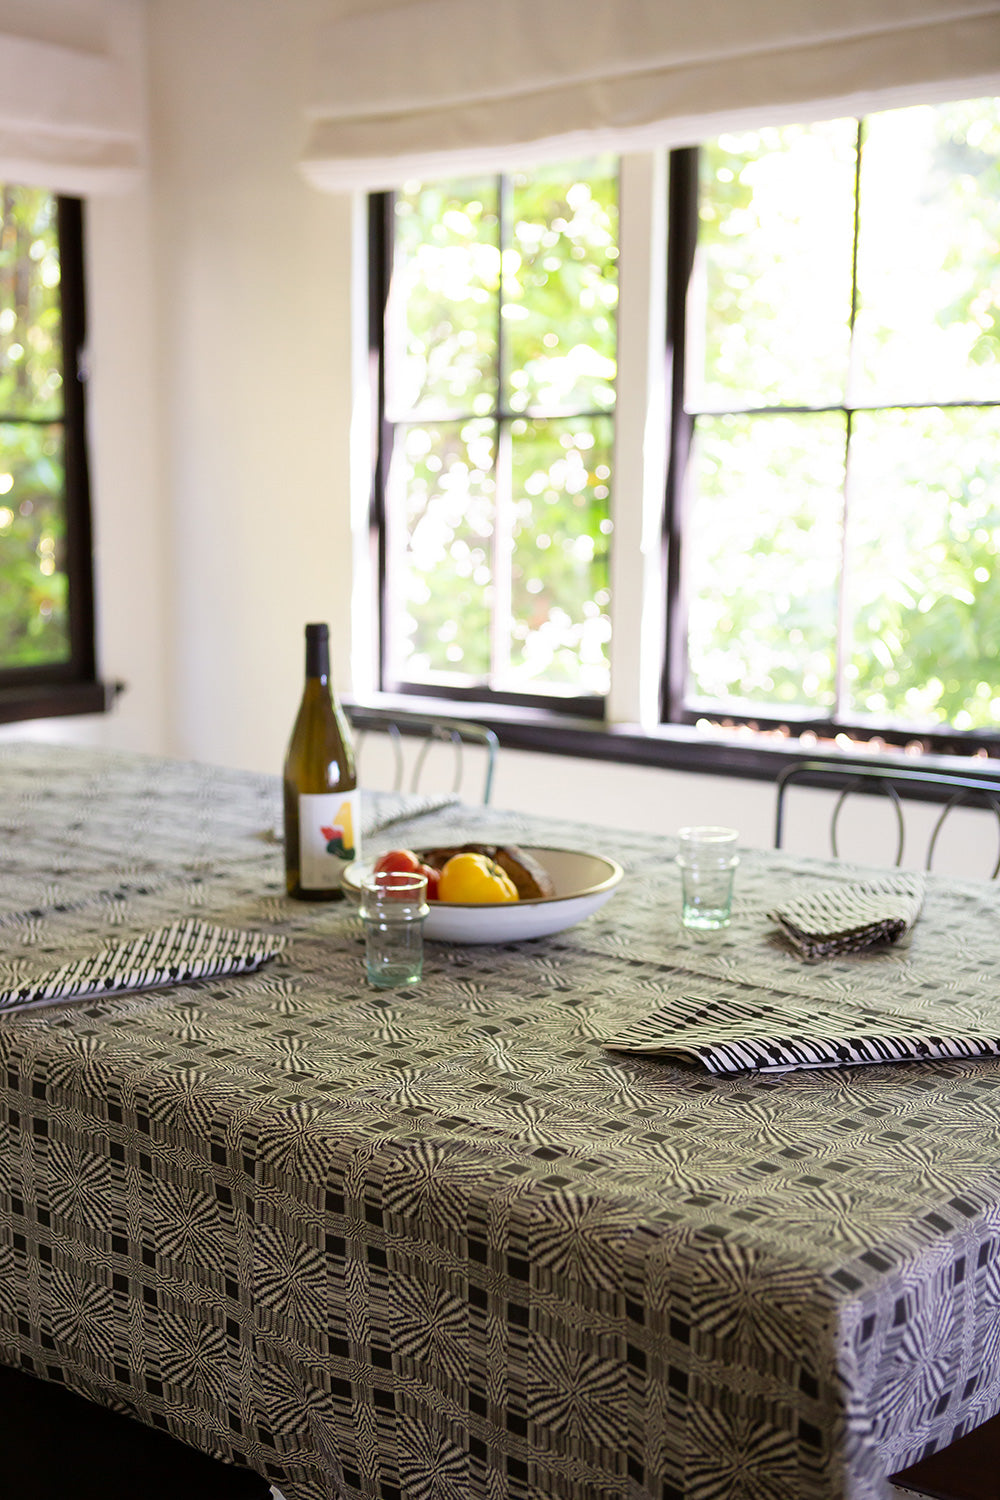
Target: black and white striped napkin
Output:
[
  {"x": 848, "y": 918},
  {"x": 170, "y": 955},
  {"x": 775, "y": 1032}
]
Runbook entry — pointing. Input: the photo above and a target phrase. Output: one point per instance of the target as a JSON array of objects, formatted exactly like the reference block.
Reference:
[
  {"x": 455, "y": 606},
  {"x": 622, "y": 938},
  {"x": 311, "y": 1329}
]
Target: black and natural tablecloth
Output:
[{"x": 443, "y": 1243}]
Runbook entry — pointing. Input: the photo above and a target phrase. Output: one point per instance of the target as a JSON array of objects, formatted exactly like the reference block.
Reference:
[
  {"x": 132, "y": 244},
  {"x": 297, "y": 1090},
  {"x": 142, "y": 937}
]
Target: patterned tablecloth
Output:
[{"x": 442, "y": 1243}]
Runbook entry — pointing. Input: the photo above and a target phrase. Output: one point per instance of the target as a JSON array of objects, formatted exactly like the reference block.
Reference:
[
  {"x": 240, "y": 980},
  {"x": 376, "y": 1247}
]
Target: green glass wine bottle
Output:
[{"x": 322, "y": 801}]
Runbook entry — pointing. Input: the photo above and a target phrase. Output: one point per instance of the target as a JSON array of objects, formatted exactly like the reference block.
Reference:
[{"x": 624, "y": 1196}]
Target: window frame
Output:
[
  {"x": 681, "y": 249},
  {"x": 589, "y": 706},
  {"x": 657, "y": 737},
  {"x": 53, "y": 689}
]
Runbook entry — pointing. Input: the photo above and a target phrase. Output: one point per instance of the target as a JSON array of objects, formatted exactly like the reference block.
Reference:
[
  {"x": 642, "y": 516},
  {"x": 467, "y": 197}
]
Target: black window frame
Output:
[
  {"x": 69, "y": 687},
  {"x": 561, "y": 706},
  {"x": 570, "y": 726},
  {"x": 681, "y": 249}
]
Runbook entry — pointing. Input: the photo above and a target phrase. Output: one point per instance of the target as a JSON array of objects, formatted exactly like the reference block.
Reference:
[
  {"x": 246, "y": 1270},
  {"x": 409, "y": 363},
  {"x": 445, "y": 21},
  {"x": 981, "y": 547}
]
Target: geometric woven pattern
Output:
[{"x": 444, "y": 1244}]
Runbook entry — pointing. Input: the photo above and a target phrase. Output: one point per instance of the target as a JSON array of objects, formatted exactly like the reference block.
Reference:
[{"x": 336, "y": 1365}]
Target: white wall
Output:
[
  {"x": 131, "y": 530},
  {"x": 220, "y": 408},
  {"x": 252, "y": 275},
  {"x": 220, "y": 395},
  {"x": 656, "y": 801},
  {"x": 129, "y": 499}
]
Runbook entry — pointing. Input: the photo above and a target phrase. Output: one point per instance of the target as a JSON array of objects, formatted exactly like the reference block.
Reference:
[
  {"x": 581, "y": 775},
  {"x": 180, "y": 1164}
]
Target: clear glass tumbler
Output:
[
  {"x": 708, "y": 859},
  {"x": 393, "y": 908}
]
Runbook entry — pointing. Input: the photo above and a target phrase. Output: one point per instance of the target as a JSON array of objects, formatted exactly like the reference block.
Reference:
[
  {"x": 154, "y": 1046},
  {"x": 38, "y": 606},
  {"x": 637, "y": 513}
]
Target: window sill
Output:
[
  {"x": 53, "y": 700},
  {"x": 676, "y": 747}
]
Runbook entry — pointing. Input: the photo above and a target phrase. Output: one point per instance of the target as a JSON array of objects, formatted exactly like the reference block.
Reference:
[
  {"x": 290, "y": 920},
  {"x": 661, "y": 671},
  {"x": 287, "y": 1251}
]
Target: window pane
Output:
[
  {"x": 925, "y": 571},
  {"x": 928, "y": 322},
  {"x": 500, "y": 400},
  {"x": 763, "y": 549},
  {"x": 34, "y": 621},
  {"x": 560, "y": 288},
  {"x": 440, "y": 569},
  {"x": 770, "y": 296},
  {"x": 30, "y": 319},
  {"x": 560, "y": 625},
  {"x": 443, "y": 302}
]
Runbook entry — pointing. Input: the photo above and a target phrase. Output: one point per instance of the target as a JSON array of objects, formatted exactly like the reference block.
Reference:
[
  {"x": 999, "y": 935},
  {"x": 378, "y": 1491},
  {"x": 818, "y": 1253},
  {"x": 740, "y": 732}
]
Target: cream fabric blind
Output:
[
  {"x": 435, "y": 87},
  {"x": 71, "y": 109}
]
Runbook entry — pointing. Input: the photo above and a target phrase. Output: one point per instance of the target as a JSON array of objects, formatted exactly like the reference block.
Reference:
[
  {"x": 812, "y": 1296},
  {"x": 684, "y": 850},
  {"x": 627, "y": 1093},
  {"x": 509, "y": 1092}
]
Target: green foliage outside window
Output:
[
  {"x": 34, "y": 623},
  {"x": 501, "y": 364},
  {"x": 842, "y": 557},
  {"x": 840, "y": 517}
]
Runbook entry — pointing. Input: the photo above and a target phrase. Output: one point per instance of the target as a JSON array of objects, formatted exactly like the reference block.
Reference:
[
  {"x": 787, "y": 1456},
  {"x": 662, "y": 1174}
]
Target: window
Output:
[
  {"x": 831, "y": 518},
  {"x": 838, "y": 434},
  {"x": 46, "y": 589},
  {"x": 499, "y": 369}
]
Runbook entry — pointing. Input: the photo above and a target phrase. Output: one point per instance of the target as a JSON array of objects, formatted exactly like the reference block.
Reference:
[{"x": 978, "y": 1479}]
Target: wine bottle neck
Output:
[{"x": 318, "y": 658}]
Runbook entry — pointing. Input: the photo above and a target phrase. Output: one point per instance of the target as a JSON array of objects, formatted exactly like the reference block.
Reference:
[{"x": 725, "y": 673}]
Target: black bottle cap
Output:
[{"x": 317, "y": 651}]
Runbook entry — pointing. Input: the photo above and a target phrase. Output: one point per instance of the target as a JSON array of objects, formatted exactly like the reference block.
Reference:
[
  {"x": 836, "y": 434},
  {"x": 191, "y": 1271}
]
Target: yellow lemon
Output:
[{"x": 473, "y": 877}]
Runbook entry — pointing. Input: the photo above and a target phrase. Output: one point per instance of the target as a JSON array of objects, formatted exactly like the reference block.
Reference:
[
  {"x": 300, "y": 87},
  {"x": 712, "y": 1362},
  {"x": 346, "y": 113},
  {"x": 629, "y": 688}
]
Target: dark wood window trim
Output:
[
  {"x": 671, "y": 747},
  {"x": 72, "y": 686},
  {"x": 57, "y": 700}
]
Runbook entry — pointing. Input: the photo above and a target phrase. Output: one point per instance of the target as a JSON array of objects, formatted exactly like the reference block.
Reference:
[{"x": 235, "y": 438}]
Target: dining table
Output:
[{"x": 457, "y": 1241}]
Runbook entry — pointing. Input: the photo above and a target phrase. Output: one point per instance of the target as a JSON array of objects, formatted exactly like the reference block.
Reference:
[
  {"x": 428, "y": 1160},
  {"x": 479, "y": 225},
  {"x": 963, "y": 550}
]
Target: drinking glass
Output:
[
  {"x": 708, "y": 859},
  {"x": 393, "y": 908}
]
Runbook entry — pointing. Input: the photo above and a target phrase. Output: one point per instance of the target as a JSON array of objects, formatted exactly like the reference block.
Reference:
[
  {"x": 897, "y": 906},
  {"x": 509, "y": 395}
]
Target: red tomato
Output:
[
  {"x": 403, "y": 860},
  {"x": 432, "y": 880}
]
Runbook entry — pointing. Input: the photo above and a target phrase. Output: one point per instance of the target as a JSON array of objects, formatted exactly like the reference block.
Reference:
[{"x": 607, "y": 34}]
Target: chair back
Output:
[
  {"x": 896, "y": 783},
  {"x": 457, "y": 754}
]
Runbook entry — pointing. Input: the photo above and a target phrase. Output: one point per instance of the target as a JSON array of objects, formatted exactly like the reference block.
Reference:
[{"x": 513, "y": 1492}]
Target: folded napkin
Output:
[
  {"x": 392, "y": 808},
  {"x": 401, "y": 807},
  {"x": 846, "y": 918},
  {"x": 763, "y": 1031},
  {"x": 171, "y": 955}
]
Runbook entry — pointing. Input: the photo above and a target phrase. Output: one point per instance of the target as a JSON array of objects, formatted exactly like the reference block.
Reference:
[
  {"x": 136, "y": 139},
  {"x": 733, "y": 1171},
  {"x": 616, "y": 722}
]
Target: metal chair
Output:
[
  {"x": 895, "y": 783},
  {"x": 458, "y": 740}
]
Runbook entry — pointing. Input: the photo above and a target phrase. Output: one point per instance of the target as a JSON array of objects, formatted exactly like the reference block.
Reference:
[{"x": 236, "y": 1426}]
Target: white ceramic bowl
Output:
[{"x": 583, "y": 883}]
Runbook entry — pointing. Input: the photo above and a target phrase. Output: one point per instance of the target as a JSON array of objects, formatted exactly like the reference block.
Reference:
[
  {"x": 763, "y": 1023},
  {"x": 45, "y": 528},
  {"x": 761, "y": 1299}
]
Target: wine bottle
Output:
[{"x": 322, "y": 803}]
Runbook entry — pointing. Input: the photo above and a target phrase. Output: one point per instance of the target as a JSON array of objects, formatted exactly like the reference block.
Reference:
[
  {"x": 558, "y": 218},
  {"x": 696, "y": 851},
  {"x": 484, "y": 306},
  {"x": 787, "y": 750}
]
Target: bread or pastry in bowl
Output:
[{"x": 530, "y": 878}]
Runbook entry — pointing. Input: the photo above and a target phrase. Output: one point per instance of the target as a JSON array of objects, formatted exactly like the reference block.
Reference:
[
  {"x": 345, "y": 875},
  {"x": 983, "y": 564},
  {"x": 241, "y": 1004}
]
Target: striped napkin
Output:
[
  {"x": 761, "y": 1031},
  {"x": 175, "y": 954},
  {"x": 847, "y": 918}
]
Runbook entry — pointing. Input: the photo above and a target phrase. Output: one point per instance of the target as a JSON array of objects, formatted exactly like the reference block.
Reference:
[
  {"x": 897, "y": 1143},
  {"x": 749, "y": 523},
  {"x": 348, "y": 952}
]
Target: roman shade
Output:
[
  {"x": 71, "y": 116},
  {"x": 435, "y": 87}
]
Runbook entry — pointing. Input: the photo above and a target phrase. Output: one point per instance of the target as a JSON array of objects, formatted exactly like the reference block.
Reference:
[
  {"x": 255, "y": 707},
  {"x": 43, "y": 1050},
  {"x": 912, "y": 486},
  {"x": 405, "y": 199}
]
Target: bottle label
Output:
[{"x": 329, "y": 837}]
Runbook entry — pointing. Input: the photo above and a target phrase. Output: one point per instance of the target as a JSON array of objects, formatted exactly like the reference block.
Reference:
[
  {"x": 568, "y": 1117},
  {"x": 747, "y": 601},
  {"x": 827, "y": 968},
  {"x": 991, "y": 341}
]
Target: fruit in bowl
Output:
[
  {"x": 480, "y": 873},
  {"x": 476, "y": 878},
  {"x": 558, "y": 888},
  {"x": 405, "y": 862}
]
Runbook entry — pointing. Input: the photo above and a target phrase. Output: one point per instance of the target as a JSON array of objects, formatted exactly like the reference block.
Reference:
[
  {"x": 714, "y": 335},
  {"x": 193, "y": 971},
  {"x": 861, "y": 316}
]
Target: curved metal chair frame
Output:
[
  {"x": 454, "y": 732},
  {"x": 894, "y": 783}
]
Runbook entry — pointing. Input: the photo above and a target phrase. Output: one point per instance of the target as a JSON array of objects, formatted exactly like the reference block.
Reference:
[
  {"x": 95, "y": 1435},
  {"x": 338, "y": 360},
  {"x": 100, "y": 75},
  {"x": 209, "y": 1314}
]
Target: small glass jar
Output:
[
  {"x": 393, "y": 908},
  {"x": 708, "y": 859}
]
